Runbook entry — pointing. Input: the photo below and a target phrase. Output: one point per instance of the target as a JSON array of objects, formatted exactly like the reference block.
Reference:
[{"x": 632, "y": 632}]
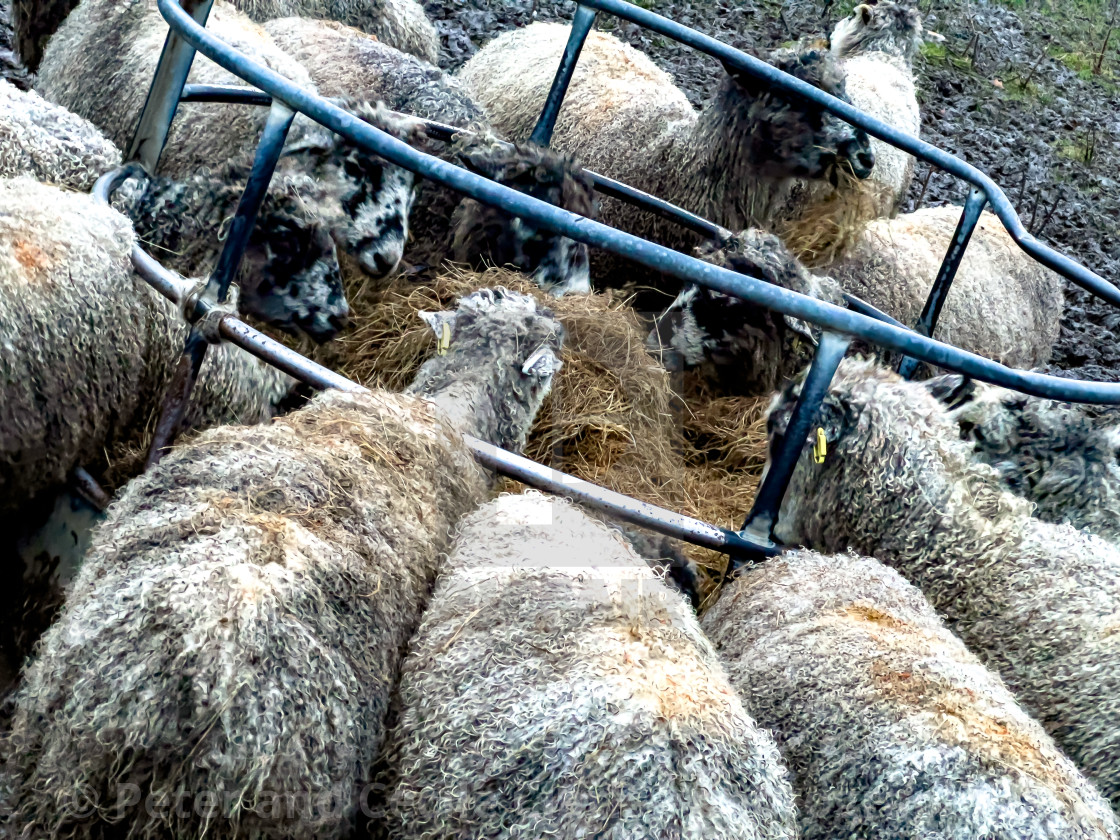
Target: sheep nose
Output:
[
  {"x": 339, "y": 320},
  {"x": 862, "y": 162}
]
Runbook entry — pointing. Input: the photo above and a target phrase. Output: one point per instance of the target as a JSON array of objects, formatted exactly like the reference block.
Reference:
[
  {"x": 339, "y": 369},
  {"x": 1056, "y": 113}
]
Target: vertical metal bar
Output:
[
  {"x": 973, "y": 207},
  {"x": 177, "y": 397},
  {"x": 759, "y": 526},
  {"x": 163, "y": 96},
  {"x": 581, "y": 24},
  {"x": 275, "y": 132}
]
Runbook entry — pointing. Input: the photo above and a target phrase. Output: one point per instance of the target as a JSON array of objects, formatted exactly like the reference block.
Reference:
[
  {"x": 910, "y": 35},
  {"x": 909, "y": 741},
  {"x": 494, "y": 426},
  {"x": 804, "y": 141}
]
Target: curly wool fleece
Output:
[
  {"x": 87, "y": 348},
  {"x": 238, "y": 625},
  {"x": 558, "y": 688},
  {"x": 236, "y": 629},
  {"x": 892, "y": 729},
  {"x": 49, "y": 143},
  {"x": 1038, "y": 602}
]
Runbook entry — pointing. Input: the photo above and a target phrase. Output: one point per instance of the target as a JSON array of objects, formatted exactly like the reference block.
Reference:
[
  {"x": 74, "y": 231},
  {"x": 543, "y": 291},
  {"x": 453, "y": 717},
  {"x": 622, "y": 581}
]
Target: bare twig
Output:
[
  {"x": 925, "y": 186},
  {"x": 1046, "y": 219},
  {"x": 1023, "y": 83},
  {"x": 1034, "y": 210}
]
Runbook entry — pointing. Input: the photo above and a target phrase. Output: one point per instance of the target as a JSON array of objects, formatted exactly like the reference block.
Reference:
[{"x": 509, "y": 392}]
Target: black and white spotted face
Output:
[
  {"x": 377, "y": 201},
  {"x": 290, "y": 276}
]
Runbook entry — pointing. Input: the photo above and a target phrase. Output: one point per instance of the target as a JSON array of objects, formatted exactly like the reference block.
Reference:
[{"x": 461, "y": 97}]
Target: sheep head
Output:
[
  {"x": 789, "y": 138},
  {"x": 290, "y": 276},
  {"x": 498, "y": 352},
  {"x": 893, "y": 468},
  {"x": 372, "y": 198},
  {"x": 1050, "y": 452},
  {"x": 883, "y": 26},
  {"x": 489, "y": 235},
  {"x": 743, "y": 347}
]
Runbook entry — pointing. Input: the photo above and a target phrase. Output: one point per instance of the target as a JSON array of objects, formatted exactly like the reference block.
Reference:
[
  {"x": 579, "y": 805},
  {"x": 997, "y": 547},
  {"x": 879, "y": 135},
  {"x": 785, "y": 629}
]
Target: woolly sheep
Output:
[
  {"x": 740, "y": 347},
  {"x": 733, "y": 163},
  {"x": 891, "y": 728},
  {"x": 50, "y": 143},
  {"x": 1037, "y": 602},
  {"x": 557, "y": 687},
  {"x": 238, "y": 624},
  {"x": 289, "y": 274},
  {"x": 89, "y": 348},
  {"x": 1053, "y": 453},
  {"x": 100, "y": 65},
  {"x": 876, "y": 45},
  {"x": 1002, "y": 305},
  {"x": 345, "y": 62},
  {"x": 401, "y": 24}
]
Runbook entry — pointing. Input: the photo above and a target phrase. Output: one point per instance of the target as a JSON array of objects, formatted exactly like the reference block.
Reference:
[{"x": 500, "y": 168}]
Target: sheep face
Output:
[
  {"x": 485, "y": 234},
  {"x": 1050, "y": 452},
  {"x": 743, "y": 347},
  {"x": 290, "y": 276},
  {"x": 887, "y": 441},
  {"x": 370, "y": 198},
  {"x": 888, "y": 27},
  {"x": 791, "y": 139},
  {"x": 501, "y": 351}
]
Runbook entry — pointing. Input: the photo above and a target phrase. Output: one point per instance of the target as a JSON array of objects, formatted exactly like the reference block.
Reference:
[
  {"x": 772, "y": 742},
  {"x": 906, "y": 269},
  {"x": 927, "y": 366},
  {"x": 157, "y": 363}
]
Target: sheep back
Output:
[
  {"x": 50, "y": 143},
  {"x": 88, "y": 347},
  {"x": 1038, "y": 602},
  {"x": 1002, "y": 305},
  {"x": 557, "y": 687},
  {"x": 882, "y": 86},
  {"x": 101, "y": 62},
  {"x": 616, "y": 91},
  {"x": 401, "y": 24},
  {"x": 892, "y": 729},
  {"x": 236, "y": 628}
]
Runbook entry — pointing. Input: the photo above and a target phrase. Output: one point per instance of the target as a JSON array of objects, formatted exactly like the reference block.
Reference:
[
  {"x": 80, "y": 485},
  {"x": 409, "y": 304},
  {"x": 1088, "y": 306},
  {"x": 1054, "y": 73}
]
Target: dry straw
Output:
[{"x": 613, "y": 417}]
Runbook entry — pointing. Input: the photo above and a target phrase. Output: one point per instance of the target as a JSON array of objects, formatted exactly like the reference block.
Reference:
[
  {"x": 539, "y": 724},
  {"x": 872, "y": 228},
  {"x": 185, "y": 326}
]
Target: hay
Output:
[
  {"x": 831, "y": 220},
  {"x": 613, "y": 416}
]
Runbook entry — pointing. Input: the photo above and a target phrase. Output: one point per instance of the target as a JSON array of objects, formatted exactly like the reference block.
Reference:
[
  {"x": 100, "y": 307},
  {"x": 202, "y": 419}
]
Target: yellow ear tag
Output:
[
  {"x": 444, "y": 340},
  {"x": 820, "y": 448}
]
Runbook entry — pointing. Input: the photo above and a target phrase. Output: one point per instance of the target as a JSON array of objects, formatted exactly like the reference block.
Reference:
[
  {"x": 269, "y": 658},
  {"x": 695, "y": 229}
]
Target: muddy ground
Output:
[{"x": 1013, "y": 92}]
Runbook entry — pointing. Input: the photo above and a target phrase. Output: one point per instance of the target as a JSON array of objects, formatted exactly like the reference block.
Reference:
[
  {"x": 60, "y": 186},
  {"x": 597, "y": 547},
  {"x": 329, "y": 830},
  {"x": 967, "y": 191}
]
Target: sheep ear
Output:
[
  {"x": 865, "y": 12},
  {"x": 543, "y": 364},
  {"x": 438, "y": 320},
  {"x": 314, "y": 143},
  {"x": 830, "y": 418}
]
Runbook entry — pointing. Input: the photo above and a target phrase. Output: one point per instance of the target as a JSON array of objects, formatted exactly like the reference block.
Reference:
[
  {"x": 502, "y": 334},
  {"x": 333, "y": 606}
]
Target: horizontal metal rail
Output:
[
  {"x": 506, "y": 463},
  {"x": 1001, "y": 205},
  {"x": 653, "y": 256}
]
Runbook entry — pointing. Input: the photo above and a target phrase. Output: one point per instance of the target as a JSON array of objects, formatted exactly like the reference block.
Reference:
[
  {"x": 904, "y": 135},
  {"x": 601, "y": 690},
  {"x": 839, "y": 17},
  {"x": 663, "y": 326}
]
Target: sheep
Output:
[
  {"x": 233, "y": 636},
  {"x": 1053, "y": 453},
  {"x": 876, "y": 45},
  {"x": 733, "y": 163},
  {"x": 345, "y": 62},
  {"x": 401, "y": 24},
  {"x": 100, "y": 64},
  {"x": 890, "y": 727},
  {"x": 1036, "y": 601},
  {"x": 50, "y": 143},
  {"x": 89, "y": 348},
  {"x": 739, "y": 347},
  {"x": 289, "y": 275},
  {"x": 557, "y": 687},
  {"x": 1003, "y": 304}
]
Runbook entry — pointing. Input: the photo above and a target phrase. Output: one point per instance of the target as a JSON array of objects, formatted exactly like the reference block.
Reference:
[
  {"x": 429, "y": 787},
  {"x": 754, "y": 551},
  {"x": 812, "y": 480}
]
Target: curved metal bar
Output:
[
  {"x": 656, "y": 257},
  {"x": 1001, "y": 205},
  {"x": 517, "y": 467}
]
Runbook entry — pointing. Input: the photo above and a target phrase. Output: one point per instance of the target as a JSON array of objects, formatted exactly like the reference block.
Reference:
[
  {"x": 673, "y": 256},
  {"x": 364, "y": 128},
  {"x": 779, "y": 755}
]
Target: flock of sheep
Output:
[{"x": 313, "y": 618}]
